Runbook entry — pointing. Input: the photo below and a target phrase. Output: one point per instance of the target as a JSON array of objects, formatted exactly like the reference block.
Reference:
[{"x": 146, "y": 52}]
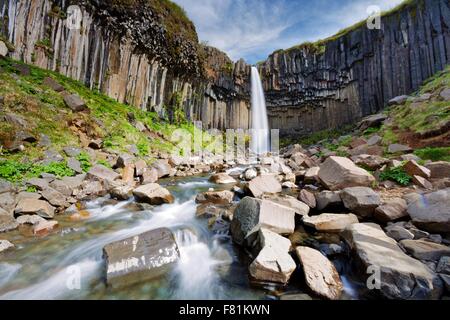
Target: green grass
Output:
[
  {"x": 396, "y": 174},
  {"x": 85, "y": 161},
  {"x": 15, "y": 171},
  {"x": 434, "y": 154}
]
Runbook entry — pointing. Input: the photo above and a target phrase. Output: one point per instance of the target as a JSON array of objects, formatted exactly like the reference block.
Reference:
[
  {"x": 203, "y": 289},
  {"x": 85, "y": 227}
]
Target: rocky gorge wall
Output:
[
  {"x": 123, "y": 54},
  {"x": 336, "y": 82},
  {"x": 308, "y": 88}
]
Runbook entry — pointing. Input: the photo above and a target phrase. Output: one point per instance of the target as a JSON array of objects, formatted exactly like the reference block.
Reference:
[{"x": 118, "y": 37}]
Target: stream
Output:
[{"x": 68, "y": 264}]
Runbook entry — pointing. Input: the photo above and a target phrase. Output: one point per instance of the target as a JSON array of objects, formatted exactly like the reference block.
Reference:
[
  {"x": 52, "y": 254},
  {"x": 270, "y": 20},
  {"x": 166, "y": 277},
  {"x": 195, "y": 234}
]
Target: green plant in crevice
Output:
[
  {"x": 397, "y": 174},
  {"x": 85, "y": 161},
  {"x": 104, "y": 163}
]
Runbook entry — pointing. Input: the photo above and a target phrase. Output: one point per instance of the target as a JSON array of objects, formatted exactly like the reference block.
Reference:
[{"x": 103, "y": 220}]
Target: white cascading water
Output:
[{"x": 260, "y": 143}]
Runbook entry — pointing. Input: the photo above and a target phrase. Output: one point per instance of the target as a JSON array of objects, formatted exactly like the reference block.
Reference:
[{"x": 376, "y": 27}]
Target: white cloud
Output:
[{"x": 250, "y": 28}]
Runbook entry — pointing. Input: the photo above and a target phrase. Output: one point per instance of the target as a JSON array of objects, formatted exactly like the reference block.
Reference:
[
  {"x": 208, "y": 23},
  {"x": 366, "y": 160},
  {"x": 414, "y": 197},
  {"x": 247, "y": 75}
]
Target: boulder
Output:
[
  {"x": 445, "y": 94},
  {"x": 273, "y": 263},
  {"x": 140, "y": 258},
  {"x": 320, "y": 274},
  {"x": 444, "y": 265},
  {"x": 163, "y": 168},
  {"x": 140, "y": 167},
  {"x": 7, "y": 223},
  {"x": 6, "y": 186},
  {"x": 372, "y": 121},
  {"x": 44, "y": 227},
  {"x": 75, "y": 103},
  {"x": 222, "y": 178},
  {"x": 312, "y": 175},
  {"x": 391, "y": 210},
  {"x": 398, "y": 148},
  {"x": 439, "y": 169},
  {"x": 72, "y": 151},
  {"x": 398, "y": 233},
  {"x": 102, "y": 173},
  {"x": 298, "y": 206},
  {"x": 329, "y": 222},
  {"x": 401, "y": 277},
  {"x": 422, "y": 182},
  {"x": 153, "y": 194},
  {"x": 263, "y": 184},
  {"x": 5, "y": 244},
  {"x": 53, "y": 84},
  {"x": 252, "y": 214},
  {"x": 96, "y": 144},
  {"x": 54, "y": 197},
  {"x": 425, "y": 250},
  {"x": 124, "y": 160},
  {"x": 431, "y": 211},
  {"x": 399, "y": 100},
  {"x": 150, "y": 175},
  {"x": 128, "y": 175},
  {"x": 414, "y": 169},
  {"x": 7, "y": 201},
  {"x": 250, "y": 174},
  {"x": 374, "y": 140},
  {"x": 308, "y": 198},
  {"x": 361, "y": 200},
  {"x": 328, "y": 199},
  {"x": 33, "y": 206},
  {"x": 337, "y": 173},
  {"x": 370, "y": 162},
  {"x": 216, "y": 197},
  {"x": 38, "y": 183},
  {"x": 30, "y": 219},
  {"x": 122, "y": 192}
]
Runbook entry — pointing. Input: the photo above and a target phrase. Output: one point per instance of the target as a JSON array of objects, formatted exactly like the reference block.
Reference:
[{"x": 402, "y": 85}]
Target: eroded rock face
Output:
[
  {"x": 153, "y": 193},
  {"x": 320, "y": 274},
  {"x": 139, "y": 258},
  {"x": 252, "y": 214},
  {"x": 431, "y": 211},
  {"x": 273, "y": 262},
  {"x": 338, "y": 173},
  {"x": 401, "y": 277}
]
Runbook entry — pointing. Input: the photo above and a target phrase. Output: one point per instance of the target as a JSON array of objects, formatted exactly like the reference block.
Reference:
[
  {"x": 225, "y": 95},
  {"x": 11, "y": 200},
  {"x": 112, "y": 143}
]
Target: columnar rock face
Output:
[
  {"x": 309, "y": 87},
  {"x": 320, "y": 86}
]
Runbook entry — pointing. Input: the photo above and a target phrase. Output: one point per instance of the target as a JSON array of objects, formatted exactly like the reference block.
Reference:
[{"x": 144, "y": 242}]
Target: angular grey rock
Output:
[
  {"x": 30, "y": 219},
  {"x": 425, "y": 250},
  {"x": 298, "y": 206},
  {"x": 312, "y": 175},
  {"x": 100, "y": 173},
  {"x": 122, "y": 192},
  {"x": 124, "y": 160},
  {"x": 329, "y": 222},
  {"x": 6, "y": 186},
  {"x": 39, "y": 183},
  {"x": 398, "y": 100},
  {"x": 252, "y": 214},
  {"x": 320, "y": 274},
  {"x": 422, "y": 182},
  {"x": 153, "y": 194},
  {"x": 150, "y": 175},
  {"x": 360, "y": 200},
  {"x": 391, "y": 210},
  {"x": 431, "y": 211},
  {"x": 398, "y": 148},
  {"x": 308, "y": 198},
  {"x": 273, "y": 263},
  {"x": 7, "y": 223},
  {"x": 75, "y": 103},
  {"x": 5, "y": 245},
  {"x": 53, "y": 84},
  {"x": 370, "y": 162},
  {"x": 55, "y": 198},
  {"x": 72, "y": 151},
  {"x": 401, "y": 276},
  {"x": 75, "y": 165},
  {"x": 33, "y": 206},
  {"x": 445, "y": 94},
  {"x": 444, "y": 265},
  {"x": 337, "y": 173},
  {"x": 3, "y": 50},
  {"x": 374, "y": 140},
  {"x": 372, "y": 121},
  {"x": 439, "y": 169},
  {"x": 162, "y": 167},
  {"x": 263, "y": 184},
  {"x": 222, "y": 178},
  {"x": 399, "y": 233},
  {"x": 328, "y": 199},
  {"x": 140, "y": 166},
  {"x": 143, "y": 257},
  {"x": 215, "y": 197}
]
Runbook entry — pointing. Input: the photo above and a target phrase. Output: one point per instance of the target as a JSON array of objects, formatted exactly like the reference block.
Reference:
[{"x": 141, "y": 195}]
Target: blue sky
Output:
[{"x": 252, "y": 29}]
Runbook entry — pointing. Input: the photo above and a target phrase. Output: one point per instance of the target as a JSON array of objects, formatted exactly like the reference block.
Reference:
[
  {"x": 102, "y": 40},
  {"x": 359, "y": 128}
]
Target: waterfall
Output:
[{"x": 260, "y": 123}]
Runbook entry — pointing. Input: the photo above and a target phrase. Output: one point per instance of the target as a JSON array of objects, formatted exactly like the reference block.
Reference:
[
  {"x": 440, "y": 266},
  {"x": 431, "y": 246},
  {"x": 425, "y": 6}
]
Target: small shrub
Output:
[
  {"x": 85, "y": 161},
  {"x": 397, "y": 174}
]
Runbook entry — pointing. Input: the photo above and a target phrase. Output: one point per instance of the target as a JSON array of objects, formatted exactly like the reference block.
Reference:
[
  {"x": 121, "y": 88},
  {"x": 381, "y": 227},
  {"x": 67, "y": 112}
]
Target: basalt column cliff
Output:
[
  {"x": 355, "y": 73},
  {"x": 138, "y": 52}
]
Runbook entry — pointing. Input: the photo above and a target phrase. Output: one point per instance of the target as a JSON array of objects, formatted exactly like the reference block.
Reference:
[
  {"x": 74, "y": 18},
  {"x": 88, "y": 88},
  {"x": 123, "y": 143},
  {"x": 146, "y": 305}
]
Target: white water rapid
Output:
[{"x": 260, "y": 142}]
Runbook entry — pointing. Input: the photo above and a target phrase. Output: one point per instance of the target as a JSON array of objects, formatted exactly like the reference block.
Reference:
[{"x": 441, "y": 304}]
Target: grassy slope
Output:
[{"x": 46, "y": 112}]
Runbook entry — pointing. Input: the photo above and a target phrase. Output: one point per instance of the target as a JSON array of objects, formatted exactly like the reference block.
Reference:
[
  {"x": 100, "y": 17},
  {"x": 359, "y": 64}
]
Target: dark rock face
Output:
[
  {"x": 310, "y": 88},
  {"x": 129, "y": 55}
]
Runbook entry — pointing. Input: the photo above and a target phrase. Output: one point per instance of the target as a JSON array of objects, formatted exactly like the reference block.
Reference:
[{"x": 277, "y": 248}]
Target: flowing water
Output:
[
  {"x": 69, "y": 264},
  {"x": 260, "y": 123}
]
